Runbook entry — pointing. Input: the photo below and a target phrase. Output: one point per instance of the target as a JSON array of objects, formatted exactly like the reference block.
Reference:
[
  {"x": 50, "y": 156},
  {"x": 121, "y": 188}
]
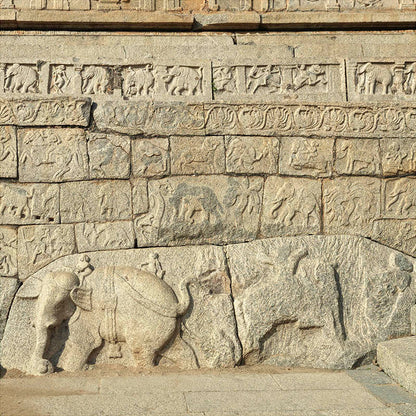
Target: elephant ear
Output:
[
  {"x": 30, "y": 289},
  {"x": 82, "y": 298}
]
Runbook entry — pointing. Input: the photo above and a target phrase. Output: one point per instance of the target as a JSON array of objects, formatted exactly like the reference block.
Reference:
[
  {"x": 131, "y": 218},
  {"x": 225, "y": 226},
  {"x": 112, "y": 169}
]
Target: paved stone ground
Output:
[{"x": 364, "y": 392}]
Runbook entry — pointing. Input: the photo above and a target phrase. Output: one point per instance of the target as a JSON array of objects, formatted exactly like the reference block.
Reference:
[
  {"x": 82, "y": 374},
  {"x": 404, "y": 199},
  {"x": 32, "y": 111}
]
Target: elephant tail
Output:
[{"x": 184, "y": 297}]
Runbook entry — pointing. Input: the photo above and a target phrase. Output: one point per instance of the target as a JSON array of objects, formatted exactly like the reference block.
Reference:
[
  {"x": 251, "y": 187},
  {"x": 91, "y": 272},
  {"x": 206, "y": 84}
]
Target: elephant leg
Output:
[
  {"x": 38, "y": 365},
  {"x": 144, "y": 358},
  {"x": 78, "y": 348}
]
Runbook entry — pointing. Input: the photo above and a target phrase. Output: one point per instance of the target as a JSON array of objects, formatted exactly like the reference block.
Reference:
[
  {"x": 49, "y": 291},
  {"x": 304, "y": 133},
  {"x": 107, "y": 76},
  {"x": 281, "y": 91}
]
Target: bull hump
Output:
[{"x": 148, "y": 285}]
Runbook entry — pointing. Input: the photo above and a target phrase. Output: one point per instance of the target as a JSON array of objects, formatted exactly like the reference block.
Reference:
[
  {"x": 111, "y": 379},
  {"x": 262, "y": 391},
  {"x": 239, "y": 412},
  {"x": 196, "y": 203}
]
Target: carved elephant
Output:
[
  {"x": 15, "y": 201},
  {"x": 115, "y": 304},
  {"x": 139, "y": 81},
  {"x": 21, "y": 78},
  {"x": 373, "y": 75},
  {"x": 184, "y": 81},
  {"x": 94, "y": 80}
]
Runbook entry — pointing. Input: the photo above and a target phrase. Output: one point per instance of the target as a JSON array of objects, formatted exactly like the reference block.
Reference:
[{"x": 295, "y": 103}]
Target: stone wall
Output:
[{"x": 255, "y": 146}]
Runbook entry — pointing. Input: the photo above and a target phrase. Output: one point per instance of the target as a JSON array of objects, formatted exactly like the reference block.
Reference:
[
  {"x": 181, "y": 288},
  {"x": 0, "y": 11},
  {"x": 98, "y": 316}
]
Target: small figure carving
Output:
[
  {"x": 309, "y": 75},
  {"x": 370, "y": 75},
  {"x": 410, "y": 81},
  {"x": 139, "y": 81},
  {"x": 356, "y": 161},
  {"x": 111, "y": 303},
  {"x": 305, "y": 154},
  {"x": 60, "y": 80},
  {"x": 8, "y": 259},
  {"x": 95, "y": 80},
  {"x": 21, "y": 78},
  {"x": 224, "y": 79},
  {"x": 401, "y": 197},
  {"x": 7, "y": 149},
  {"x": 14, "y": 202},
  {"x": 268, "y": 76}
]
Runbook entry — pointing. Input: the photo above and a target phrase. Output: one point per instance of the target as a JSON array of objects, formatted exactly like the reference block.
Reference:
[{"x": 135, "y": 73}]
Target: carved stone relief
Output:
[
  {"x": 8, "y": 252},
  {"x": 8, "y": 289},
  {"x": 95, "y": 201},
  {"x": 8, "y": 152},
  {"x": 52, "y": 155},
  {"x": 104, "y": 236},
  {"x": 28, "y": 203},
  {"x": 132, "y": 310},
  {"x": 109, "y": 156},
  {"x": 40, "y": 245},
  {"x": 150, "y": 157},
  {"x": 351, "y": 205},
  {"x": 200, "y": 209},
  {"x": 398, "y": 156},
  {"x": 381, "y": 80},
  {"x": 197, "y": 155},
  {"x": 321, "y": 301},
  {"x": 399, "y": 198},
  {"x": 252, "y": 154},
  {"x": 357, "y": 157},
  {"x": 45, "y": 112},
  {"x": 306, "y": 157},
  {"x": 292, "y": 206},
  {"x": 21, "y": 79}
]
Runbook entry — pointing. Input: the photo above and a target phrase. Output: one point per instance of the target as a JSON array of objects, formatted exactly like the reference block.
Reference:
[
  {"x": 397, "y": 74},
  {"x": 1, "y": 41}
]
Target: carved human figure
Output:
[
  {"x": 224, "y": 79},
  {"x": 410, "y": 81},
  {"x": 401, "y": 197},
  {"x": 111, "y": 303},
  {"x": 95, "y": 80},
  {"x": 8, "y": 260},
  {"x": 309, "y": 75},
  {"x": 370, "y": 75},
  {"x": 59, "y": 80},
  {"x": 21, "y": 78},
  {"x": 356, "y": 161},
  {"x": 7, "y": 149},
  {"x": 269, "y": 76}
]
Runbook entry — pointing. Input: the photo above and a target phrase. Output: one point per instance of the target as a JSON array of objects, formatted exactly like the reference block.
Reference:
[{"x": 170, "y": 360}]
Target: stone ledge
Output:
[
  {"x": 126, "y": 20},
  {"x": 222, "y": 20},
  {"x": 397, "y": 358}
]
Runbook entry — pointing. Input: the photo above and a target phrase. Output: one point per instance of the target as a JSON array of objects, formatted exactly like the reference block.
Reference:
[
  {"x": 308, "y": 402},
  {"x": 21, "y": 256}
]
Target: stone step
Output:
[{"x": 397, "y": 358}]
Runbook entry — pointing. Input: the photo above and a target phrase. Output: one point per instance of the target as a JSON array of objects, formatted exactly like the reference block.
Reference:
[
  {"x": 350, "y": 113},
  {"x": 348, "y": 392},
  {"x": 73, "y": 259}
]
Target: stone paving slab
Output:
[{"x": 229, "y": 393}]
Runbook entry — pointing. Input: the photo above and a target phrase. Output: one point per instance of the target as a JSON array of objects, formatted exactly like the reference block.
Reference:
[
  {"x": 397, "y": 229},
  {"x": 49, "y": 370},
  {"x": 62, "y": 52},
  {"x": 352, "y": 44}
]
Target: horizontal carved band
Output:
[
  {"x": 252, "y": 119},
  {"x": 45, "y": 112}
]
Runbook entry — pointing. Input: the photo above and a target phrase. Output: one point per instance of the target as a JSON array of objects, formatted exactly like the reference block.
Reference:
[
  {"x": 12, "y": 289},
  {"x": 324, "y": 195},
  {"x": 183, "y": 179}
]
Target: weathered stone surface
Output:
[
  {"x": 150, "y": 287},
  {"x": 150, "y": 118},
  {"x": 252, "y": 154},
  {"x": 399, "y": 198},
  {"x": 95, "y": 201},
  {"x": 150, "y": 157},
  {"x": 306, "y": 157},
  {"x": 351, "y": 205},
  {"x": 52, "y": 155},
  {"x": 8, "y": 251},
  {"x": 40, "y": 245},
  {"x": 291, "y": 206},
  {"x": 200, "y": 209},
  {"x": 8, "y": 288},
  {"x": 357, "y": 157},
  {"x": 197, "y": 155},
  {"x": 28, "y": 203},
  {"x": 45, "y": 112},
  {"x": 398, "y": 234},
  {"x": 397, "y": 358},
  {"x": 139, "y": 196},
  {"x": 109, "y": 156},
  {"x": 320, "y": 301},
  {"x": 104, "y": 236},
  {"x": 398, "y": 156},
  {"x": 8, "y": 152}
]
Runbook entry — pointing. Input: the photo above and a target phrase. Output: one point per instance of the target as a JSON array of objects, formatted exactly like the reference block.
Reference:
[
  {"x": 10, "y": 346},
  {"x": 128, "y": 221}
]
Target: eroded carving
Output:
[
  {"x": 8, "y": 251},
  {"x": 21, "y": 79},
  {"x": 52, "y": 155},
  {"x": 150, "y": 157},
  {"x": 399, "y": 198},
  {"x": 8, "y": 152},
  {"x": 28, "y": 204}
]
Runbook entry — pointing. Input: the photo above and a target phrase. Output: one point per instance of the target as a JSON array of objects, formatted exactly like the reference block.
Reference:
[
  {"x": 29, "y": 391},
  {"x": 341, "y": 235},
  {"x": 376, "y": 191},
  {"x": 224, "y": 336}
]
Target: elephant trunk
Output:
[{"x": 184, "y": 298}]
